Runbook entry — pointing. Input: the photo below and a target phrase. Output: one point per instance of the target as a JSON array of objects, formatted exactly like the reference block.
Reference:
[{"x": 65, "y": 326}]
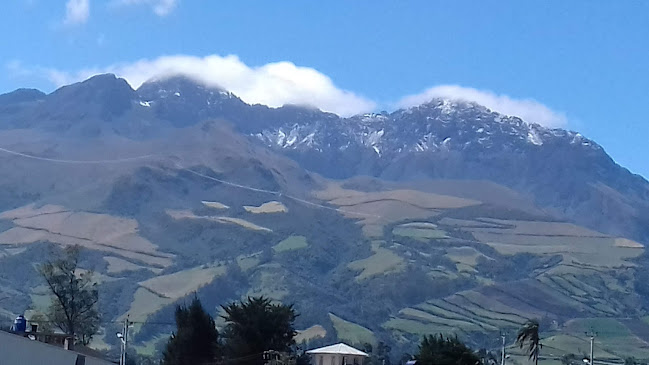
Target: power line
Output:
[
  {"x": 278, "y": 193},
  {"x": 222, "y": 181},
  {"x": 56, "y": 160}
]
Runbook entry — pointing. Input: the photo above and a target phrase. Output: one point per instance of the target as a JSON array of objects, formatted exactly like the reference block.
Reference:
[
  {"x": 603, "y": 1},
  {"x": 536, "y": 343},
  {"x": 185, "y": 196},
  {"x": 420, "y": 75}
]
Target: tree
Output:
[
  {"x": 196, "y": 338},
  {"x": 438, "y": 350},
  {"x": 74, "y": 303},
  {"x": 257, "y": 325},
  {"x": 379, "y": 354},
  {"x": 529, "y": 334}
]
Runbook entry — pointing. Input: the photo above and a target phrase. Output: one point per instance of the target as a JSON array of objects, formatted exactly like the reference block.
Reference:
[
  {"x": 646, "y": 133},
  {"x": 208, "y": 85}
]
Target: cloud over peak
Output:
[
  {"x": 280, "y": 83},
  {"x": 527, "y": 109},
  {"x": 273, "y": 84}
]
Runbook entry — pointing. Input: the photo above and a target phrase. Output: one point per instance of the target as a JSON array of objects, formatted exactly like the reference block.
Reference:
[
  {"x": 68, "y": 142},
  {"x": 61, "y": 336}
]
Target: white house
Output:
[{"x": 339, "y": 354}]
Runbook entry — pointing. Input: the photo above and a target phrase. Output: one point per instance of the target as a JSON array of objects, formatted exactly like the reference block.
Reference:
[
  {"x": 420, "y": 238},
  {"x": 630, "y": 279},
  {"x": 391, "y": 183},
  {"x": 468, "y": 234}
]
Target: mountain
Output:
[{"x": 445, "y": 217}]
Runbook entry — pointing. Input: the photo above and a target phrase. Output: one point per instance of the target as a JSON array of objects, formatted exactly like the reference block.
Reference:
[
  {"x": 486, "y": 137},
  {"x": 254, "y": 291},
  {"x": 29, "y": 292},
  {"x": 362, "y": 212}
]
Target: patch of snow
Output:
[
  {"x": 308, "y": 140},
  {"x": 281, "y": 137},
  {"x": 577, "y": 138},
  {"x": 292, "y": 138},
  {"x": 372, "y": 117},
  {"x": 480, "y": 130},
  {"x": 376, "y": 149},
  {"x": 145, "y": 103},
  {"x": 177, "y": 93},
  {"x": 498, "y": 119},
  {"x": 375, "y": 137},
  {"x": 534, "y": 138},
  {"x": 446, "y": 144},
  {"x": 446, "y": 107}
]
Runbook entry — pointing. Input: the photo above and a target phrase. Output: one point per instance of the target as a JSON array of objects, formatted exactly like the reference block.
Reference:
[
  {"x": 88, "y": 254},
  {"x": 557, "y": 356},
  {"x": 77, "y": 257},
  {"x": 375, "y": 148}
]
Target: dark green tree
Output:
[
  {"x": 440, "y": 350},
  {"x": 529, "y": 334},
  {"x": 74, "y": 296},
  {"x": 257, "y": 325},
  {"x": 379, "y": 354},
  {"x": 196, "y": 340}
]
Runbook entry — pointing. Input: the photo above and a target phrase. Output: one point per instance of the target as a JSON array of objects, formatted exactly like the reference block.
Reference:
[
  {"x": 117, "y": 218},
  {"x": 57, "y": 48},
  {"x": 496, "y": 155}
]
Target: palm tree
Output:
[{"x": 530, "y": 333}]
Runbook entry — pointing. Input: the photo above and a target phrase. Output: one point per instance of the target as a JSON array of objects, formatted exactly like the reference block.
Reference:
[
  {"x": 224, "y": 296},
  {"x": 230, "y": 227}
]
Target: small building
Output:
[
  {"x": 17, "y": 349},
  {"x": 339, "y": 354}
]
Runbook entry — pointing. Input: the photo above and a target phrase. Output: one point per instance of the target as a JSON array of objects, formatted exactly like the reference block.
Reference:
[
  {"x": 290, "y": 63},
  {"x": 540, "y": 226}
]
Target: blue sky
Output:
[{"x": 582, "y": 65}]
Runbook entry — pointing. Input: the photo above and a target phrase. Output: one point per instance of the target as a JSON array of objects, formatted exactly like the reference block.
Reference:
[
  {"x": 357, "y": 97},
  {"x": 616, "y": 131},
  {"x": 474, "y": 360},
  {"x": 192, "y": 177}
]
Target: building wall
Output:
[
  {"x": 16, "y": 350},
  {"x": 335, "y": 359}
]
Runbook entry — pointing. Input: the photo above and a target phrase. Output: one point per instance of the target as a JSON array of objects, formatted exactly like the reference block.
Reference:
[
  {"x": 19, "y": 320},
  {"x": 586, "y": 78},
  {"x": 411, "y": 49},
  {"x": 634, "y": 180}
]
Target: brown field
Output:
[
  {"x": 538, "y": 228},
  {"x": 181, "y": 283},
  {"x": 31, "y": 211},
  {"x": 374, "y": 210},
  {"x": 446, "y": 221},
  {"x": 623, "y": 242},
  {"x": 117, "y": 265},
  {"x": 100, "y": 232},
  {"x": 20, "y": 235},
  {"x": 187, "y": 214},
  {"x": 345, "y": 197},
  {"x": 268, "y": 207},
  {"x": 144, "y": 304},
  {"x": 214, "y": 205}
]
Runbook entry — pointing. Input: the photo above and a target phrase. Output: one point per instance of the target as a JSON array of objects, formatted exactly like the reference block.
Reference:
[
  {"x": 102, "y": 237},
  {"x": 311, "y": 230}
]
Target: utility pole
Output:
[
  {"x": 502, "y": 361},
  {"x": 123, "y": 336},
  {"x": 126, "y": 337},
  {"x": 592, "y": 342},
  {"x": 592, "y": 345}
]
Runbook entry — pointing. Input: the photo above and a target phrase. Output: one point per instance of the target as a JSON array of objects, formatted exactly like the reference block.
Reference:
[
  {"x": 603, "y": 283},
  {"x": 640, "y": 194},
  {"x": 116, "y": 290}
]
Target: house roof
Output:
[
  {"x": 338, "y": 349},
  {"x": 15, "y": 349}
]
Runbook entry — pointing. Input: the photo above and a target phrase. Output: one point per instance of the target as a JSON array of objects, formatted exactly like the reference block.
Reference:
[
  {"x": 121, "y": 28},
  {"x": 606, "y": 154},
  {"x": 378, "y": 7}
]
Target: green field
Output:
[
  {"x": 247, "y": 262},
  {"x": 351, "y": 332},
  {"x": 313, "y": 332},
  {"x": 268, "y": 280},
  {"x": 419, "y": 328},
  {"x": 291, "y": 243},
  {"x": 423, "y": 233},
  {"x": 381, "y": 262}
]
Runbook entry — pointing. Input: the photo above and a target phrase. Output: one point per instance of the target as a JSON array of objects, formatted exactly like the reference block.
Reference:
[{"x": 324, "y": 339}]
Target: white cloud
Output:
[
  {"x": 159, "y": 7},
  {"x": 527, "y": 109},
  {"x": 273, "y": 84},
  {"x": 76, "y": 12}
]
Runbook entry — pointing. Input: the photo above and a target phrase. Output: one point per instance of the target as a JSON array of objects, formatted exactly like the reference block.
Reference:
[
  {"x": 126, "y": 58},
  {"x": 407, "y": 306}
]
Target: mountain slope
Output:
[{"x": 455, "y": 218}]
